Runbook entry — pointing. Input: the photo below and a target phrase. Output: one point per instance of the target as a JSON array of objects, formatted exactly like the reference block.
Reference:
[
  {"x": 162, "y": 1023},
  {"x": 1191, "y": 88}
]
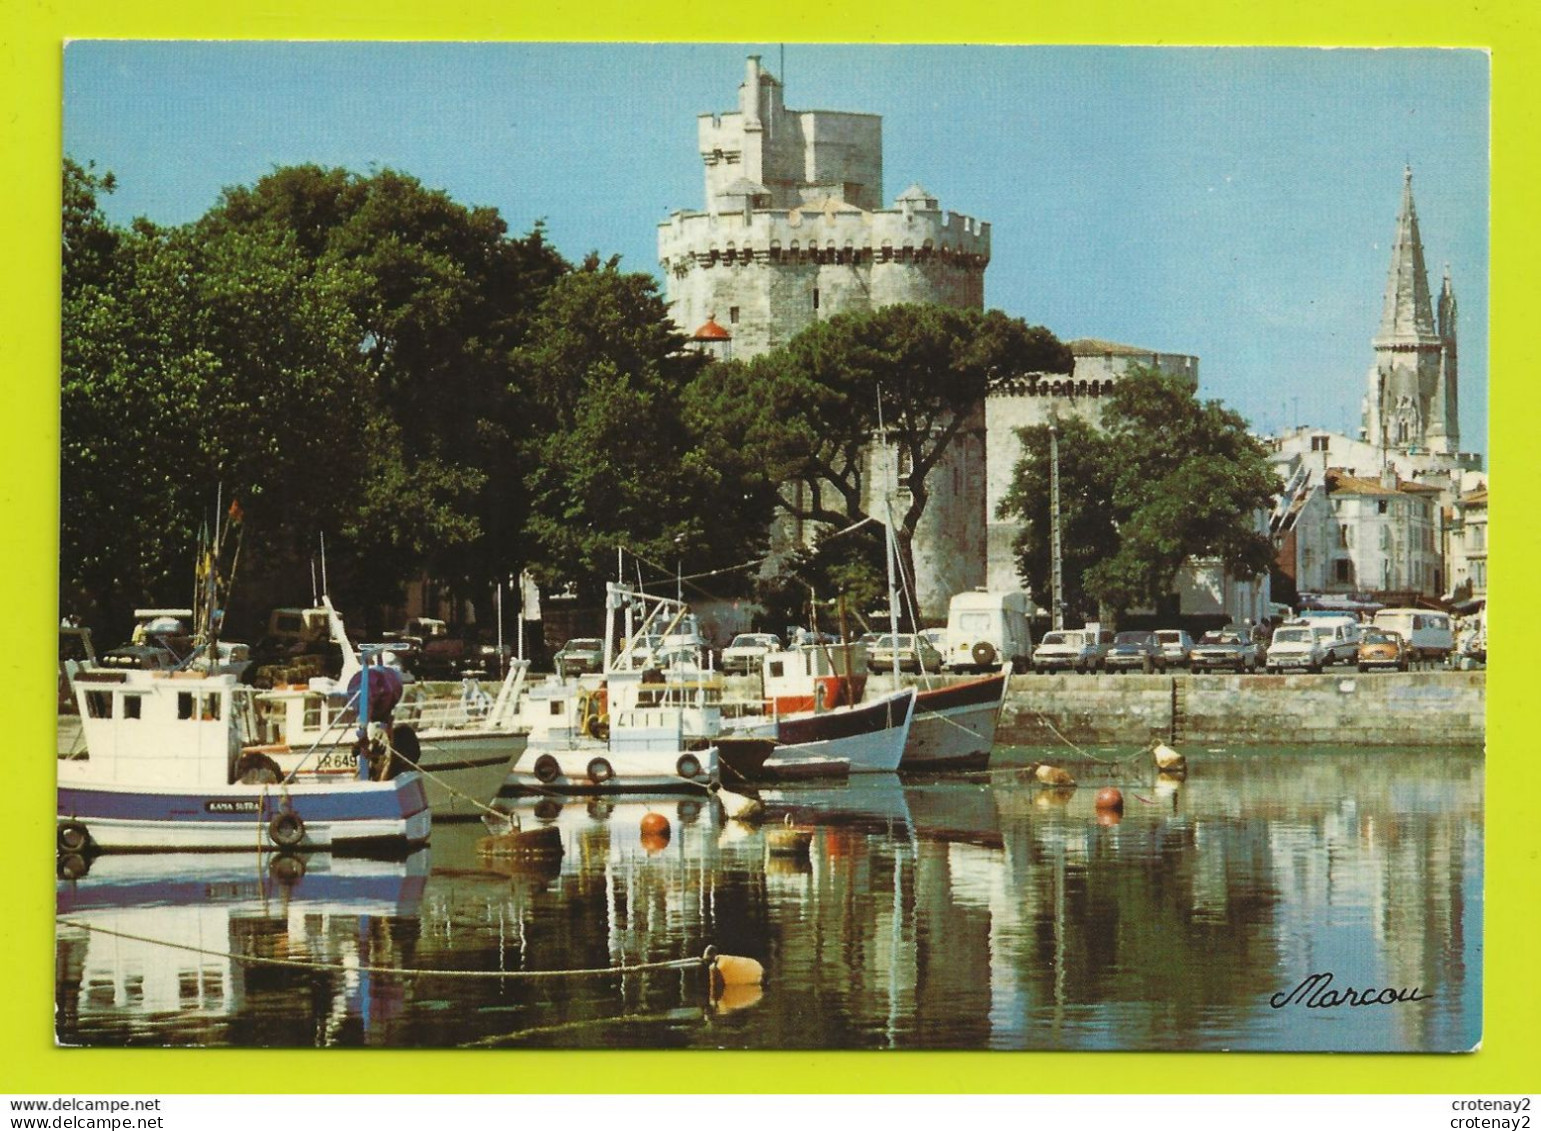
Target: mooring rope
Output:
[{"x": 340, "y": 968}]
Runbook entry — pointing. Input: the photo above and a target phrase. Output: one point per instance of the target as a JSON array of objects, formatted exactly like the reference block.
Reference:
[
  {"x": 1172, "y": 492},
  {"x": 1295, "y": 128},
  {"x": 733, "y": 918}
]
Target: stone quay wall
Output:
[{"x": 1433, "y": 708}]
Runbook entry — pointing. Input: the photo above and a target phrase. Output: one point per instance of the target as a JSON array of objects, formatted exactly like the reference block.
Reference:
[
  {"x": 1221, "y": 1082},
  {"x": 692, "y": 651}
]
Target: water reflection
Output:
[{"x": 961, "y": 913}]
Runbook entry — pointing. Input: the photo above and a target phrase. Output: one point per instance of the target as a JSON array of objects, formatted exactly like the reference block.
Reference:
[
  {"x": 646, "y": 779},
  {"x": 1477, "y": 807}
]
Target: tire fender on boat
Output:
[
  {"x": 688, "y": 766},
  {"x": 546, "y": 769},
  {"x": 600, "y": 771},
  {"x": 286, "y": 828},
  {"x": 73, "y": 836}
]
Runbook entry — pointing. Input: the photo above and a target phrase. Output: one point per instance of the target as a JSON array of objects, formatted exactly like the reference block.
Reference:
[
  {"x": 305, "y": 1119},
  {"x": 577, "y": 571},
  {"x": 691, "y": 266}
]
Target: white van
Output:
[
  {"x": 986, "y": 631},
  {"x": 1428, "y": 633}
]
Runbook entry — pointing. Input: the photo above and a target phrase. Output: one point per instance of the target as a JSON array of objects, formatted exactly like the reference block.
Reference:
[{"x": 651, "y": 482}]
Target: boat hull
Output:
[
  {"x": 954, "y": 727},
  {"x": 461, "y": 771},
  {"x": 569, "y": 769},
  {"x": 870, "y": 737},
  {"x": 360, "y": 816}
]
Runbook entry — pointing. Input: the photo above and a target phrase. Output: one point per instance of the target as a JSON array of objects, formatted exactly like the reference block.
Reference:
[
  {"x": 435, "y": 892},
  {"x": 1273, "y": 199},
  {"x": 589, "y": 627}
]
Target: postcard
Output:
[{"x": 772, "y": 547}]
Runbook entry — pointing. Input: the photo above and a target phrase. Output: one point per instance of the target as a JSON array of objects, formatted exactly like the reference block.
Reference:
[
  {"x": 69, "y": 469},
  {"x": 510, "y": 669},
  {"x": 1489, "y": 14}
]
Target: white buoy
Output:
[
  {"x": 1169, "y": 761},
  {"x": 737, "y": 806}
]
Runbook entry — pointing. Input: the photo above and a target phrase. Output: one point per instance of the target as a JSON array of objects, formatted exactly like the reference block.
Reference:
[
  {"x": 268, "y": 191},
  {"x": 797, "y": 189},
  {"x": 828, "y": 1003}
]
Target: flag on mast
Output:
[{"x": 529, "y": 596}]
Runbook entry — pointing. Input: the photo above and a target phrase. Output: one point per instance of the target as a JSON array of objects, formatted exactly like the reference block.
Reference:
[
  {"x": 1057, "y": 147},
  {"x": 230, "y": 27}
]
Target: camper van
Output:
[
  {"x": 1428, "y": 633},
  {"x": 987, "y": 631}
]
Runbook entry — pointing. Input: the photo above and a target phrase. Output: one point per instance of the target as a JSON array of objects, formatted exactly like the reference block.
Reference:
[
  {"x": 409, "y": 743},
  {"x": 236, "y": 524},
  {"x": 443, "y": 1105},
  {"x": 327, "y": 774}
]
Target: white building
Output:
[{"x": 1376, "y": 513}]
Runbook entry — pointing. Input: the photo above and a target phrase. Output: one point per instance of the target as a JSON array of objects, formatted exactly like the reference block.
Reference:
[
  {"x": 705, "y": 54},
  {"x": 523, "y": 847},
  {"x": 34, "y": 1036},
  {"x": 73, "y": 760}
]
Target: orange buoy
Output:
[
  {"x": 1111, "y": 799},
  {"x": 655, "y": 824}
]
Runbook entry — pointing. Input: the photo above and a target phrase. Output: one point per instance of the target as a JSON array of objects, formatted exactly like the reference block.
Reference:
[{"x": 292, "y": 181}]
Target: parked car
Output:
[
  {"x": 911, "y": 652},
  {"x": 645, "y": 651},
  {"x": 1134, "y": 651},
  {"x": 579, "y": 655},
  {"x": 1176, "y": 644},
  {"x": 1078, "y": 649},
  {"x": 1382, "y": 648},
  {"x": 139, "y": 657},
  {"x": 748, "y": 650},
  {"x": 1297, "y": 646},
  {"x": 1224, "y": 648},
  {"x": 1341, "y": 632}
]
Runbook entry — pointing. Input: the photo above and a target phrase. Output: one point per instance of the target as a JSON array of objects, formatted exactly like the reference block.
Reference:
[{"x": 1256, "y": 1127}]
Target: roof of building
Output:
[
  {"x": 1088, "y": 347},
  {"x": 916, "y": 192},
  {"x": 709, "y": 331},
  {"x": 1340, "y": 481},
  {"x": 1475, "y": 499},
  {"x": 745, "y": 187}
]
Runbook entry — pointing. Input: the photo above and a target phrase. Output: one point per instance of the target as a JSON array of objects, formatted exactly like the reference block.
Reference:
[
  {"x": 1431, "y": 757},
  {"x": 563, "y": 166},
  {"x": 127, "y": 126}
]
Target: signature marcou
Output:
[{"x": 1314, "y": 992}]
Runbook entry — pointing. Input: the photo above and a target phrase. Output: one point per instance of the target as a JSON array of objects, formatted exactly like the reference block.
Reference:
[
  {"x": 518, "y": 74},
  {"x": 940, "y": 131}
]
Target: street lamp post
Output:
[{"x": 1056, "y": 574}]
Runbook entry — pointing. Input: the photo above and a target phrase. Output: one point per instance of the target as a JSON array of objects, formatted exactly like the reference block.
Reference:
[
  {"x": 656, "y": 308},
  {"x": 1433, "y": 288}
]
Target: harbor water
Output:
[{"x": 1273, "y": 899}]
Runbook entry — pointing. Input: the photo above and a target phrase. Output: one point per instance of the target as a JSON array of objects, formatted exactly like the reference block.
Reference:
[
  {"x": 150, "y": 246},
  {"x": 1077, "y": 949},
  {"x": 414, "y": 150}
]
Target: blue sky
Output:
[{"x": 1233, "y": 203}]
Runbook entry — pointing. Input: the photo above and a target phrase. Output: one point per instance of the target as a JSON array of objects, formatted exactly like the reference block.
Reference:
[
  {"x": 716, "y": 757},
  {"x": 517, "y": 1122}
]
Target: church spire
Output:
[{"x": 1407, "y": 315}]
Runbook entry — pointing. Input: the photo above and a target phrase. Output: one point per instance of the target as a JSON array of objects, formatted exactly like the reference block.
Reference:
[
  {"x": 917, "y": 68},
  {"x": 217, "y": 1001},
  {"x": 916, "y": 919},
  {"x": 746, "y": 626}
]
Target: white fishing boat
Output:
[
  {"x": 162, "y": 768},
  {"x": 868, "y": 738},
  {"x": 631, "y": 728}
]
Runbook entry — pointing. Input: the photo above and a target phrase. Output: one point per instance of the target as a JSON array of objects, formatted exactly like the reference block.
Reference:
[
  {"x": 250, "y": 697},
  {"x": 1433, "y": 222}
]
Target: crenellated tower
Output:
[
  {"x": 1411, "y": 399},
  {"x": 794, "y": 231}
]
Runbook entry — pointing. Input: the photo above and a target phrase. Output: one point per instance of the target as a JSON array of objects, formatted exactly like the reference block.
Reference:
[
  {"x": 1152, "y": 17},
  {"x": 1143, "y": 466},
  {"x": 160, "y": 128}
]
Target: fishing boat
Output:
[
  {"x": 867, "y": 738},
  {"x": 630, "y": 728},
  {"x": 814, "y": 677},
  {"x": 464, "y": 746},
  {"x": 163, "y": 769},
  {"x": 954, "y": 726}
]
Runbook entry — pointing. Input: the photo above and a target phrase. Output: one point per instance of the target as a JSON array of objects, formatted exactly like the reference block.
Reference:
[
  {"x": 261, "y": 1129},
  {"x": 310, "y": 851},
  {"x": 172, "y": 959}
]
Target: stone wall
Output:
[{"x": 1436, "y": 708}]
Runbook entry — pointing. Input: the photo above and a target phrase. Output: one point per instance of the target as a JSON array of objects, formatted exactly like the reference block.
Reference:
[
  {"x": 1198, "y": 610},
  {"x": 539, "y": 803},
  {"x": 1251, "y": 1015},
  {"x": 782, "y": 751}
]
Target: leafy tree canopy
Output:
[
  {"x": 807, "y": 413},
  {"x": 1168, "y": 478},
  {"x": 621, "y": 454}
]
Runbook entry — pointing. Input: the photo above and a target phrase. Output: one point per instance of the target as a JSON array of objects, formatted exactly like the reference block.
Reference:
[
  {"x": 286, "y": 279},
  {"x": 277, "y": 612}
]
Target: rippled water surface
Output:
[{"x": 979, "y": 913}]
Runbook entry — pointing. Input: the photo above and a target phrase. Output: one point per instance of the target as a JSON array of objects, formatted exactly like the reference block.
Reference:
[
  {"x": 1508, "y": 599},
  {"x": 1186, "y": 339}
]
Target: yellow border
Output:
[{"x": 30, "y": 62}]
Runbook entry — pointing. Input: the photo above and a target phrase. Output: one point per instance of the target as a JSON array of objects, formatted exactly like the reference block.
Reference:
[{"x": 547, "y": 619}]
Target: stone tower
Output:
[
  {"x": 1411, "y": 400},
  {"x": 793, "y": 231}
]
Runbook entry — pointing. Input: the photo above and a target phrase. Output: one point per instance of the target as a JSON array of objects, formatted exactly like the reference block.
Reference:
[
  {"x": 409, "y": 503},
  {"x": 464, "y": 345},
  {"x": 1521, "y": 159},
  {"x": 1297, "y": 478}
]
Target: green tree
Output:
[
  {"x": 220, "y": 357},
  {"x": 1088, "y": 528},
  {"x": 1169, "y": 478},
  {"x": 621, "y": 456},
  {"x": 443, "y": 298},
  {"x": 809, "y": 412}
]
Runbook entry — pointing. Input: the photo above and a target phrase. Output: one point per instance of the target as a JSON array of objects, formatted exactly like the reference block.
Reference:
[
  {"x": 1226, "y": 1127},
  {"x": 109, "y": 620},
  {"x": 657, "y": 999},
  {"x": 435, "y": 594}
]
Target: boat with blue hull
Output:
[{"x": 163, "y": 769}]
